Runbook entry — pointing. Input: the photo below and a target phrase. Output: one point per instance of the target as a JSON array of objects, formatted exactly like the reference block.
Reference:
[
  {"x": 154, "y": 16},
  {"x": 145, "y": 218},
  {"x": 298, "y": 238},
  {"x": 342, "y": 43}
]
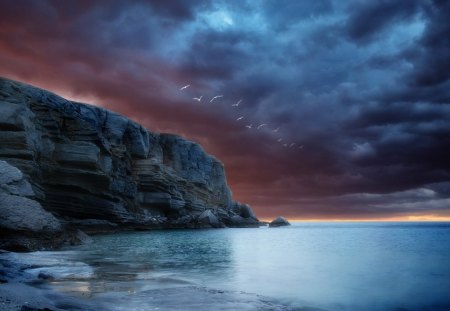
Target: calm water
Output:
[{"x": 330, "y": 266}]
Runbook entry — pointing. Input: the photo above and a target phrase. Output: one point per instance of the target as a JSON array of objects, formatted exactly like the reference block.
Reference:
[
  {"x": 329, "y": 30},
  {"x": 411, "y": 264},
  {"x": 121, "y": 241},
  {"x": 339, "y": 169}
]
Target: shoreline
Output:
[
  {"x": 25, "y": 286},
  {"x": 21, "y": 290}
]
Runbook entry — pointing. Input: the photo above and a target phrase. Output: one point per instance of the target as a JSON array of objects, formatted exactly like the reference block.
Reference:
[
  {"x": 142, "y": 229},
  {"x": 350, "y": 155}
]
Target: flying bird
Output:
[
  {"x": 185, "y": 87},
  {"x": 198, "y": 98},
  {"x": 300, "y": 147},
  {"x": 285, "y": 145},
  {"x": 276, "y": 130},
  {"x": 249, "y": 126},
  {"x": 279, "y": 140},
  {"x": 215, "y": 97},
  {"x": 291, "y": 145},
  {"x": 237, "y": 104},
  {"x": 240, "y": 118},
  {"x": 261, "y": 125}
]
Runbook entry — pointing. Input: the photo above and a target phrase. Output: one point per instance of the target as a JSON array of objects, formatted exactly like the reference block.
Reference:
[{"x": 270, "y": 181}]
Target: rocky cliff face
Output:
[{"x": 94, "y": 169}]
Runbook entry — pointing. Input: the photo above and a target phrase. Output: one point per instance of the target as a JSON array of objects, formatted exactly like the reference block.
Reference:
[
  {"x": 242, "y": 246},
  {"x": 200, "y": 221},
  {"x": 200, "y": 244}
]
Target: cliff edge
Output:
[{"x": 85, "y": 167}]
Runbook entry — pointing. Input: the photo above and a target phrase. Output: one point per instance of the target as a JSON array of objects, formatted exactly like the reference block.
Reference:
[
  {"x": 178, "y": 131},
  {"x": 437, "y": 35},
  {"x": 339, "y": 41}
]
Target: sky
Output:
[{"x": 360, "y": 91}]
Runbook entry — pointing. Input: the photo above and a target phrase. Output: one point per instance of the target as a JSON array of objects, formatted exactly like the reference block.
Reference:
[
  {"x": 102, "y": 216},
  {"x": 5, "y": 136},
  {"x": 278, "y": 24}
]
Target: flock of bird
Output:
[{"x": 249, "y": 126}]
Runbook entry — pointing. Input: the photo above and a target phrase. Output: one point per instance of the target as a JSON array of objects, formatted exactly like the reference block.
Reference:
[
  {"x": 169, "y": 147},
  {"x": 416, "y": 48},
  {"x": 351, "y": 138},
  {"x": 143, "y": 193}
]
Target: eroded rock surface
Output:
[{"x": 87, "y": 165}]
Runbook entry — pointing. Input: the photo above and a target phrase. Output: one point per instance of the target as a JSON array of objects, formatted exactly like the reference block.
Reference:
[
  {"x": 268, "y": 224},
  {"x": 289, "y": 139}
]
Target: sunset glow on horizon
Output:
[{"x": 424, "y": 218}]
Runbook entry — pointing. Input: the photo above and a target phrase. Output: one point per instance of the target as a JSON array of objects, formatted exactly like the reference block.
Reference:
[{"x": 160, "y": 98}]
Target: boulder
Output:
[
  {"x": 280, "y": 221},
  {"x": 208, "y": 219},
  {"x": 23, "y": 214},
  {"x": 243, "y": 210},
  {"x": 23, "y": 221}
]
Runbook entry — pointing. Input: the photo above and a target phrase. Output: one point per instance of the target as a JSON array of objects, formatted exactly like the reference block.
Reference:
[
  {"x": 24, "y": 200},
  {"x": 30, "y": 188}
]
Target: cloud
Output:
[
  {"x": 359, "y": 85},
  {"x": 368, "y": 20}
]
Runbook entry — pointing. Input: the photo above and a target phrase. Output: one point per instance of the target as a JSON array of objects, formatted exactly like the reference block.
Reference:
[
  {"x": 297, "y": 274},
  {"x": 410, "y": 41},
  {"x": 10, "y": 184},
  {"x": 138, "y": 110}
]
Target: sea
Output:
[{"x": 306, "y": 266}]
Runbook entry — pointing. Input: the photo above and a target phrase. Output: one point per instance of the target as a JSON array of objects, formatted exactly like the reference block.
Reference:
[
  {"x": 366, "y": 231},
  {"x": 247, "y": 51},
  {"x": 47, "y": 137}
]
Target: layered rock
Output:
[{"x": 88, "y": 165}]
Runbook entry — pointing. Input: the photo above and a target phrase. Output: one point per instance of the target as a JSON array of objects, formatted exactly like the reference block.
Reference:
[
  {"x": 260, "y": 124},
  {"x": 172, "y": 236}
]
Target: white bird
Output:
[
  {"x": 291, "y": 145},
  {"x": 185, "y": 87},
  {"x": 261, "y": 125},
  {"x": 198, "y": 98},
  {"x": 284, "y": 145},
  {"x": 276, "y": 130},
  {"x": 240, "y": 118},
  {"x": 279, "y": 140},
  {"x": 237, "y": 104},
  {"x": 249, "y": 126},
  {"x": 300, "y": 147},
  {"x": 217, "y": 96}
]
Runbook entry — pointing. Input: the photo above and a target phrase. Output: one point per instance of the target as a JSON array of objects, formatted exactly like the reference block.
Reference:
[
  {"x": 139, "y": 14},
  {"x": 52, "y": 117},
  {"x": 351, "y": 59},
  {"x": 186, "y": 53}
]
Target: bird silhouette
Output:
[
  {"x": 261, "y": 125},
  {"x": 185, "y": 87},
  {"x": 240, "y": 118},
  {"x": 249, "y": 126},
  {"x": 215, "y": 97},
  {"x": 237, "y": 104},
  {"x": 198, "y": 98}
]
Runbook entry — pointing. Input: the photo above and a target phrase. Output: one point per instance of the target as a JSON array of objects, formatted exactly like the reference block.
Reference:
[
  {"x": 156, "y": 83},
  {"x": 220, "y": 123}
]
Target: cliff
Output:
[{"x": 84, "y": 167}]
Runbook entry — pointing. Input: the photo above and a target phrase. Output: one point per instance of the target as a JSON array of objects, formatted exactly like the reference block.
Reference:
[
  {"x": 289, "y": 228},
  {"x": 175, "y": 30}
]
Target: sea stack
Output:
[
  {"x": 82, "y": 167},
  {"x": 280, "y": 221}
]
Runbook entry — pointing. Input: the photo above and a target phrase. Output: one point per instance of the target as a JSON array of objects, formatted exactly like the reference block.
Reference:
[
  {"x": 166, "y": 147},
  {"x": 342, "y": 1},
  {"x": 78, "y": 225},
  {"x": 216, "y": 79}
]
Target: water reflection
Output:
[{"x": 132, "y": 262}]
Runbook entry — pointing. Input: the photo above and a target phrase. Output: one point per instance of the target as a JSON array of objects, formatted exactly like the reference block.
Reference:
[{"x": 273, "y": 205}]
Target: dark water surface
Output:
[{"x": 330, "y": 266}]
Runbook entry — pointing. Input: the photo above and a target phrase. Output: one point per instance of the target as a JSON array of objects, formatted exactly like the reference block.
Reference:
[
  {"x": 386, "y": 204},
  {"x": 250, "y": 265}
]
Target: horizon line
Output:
[{"x": 412, "y": 219}]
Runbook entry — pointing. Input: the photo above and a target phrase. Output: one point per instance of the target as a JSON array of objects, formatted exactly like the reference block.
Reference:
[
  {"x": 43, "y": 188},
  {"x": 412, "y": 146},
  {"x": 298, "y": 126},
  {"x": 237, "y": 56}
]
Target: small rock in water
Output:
[{"x": 280, "y": 221}]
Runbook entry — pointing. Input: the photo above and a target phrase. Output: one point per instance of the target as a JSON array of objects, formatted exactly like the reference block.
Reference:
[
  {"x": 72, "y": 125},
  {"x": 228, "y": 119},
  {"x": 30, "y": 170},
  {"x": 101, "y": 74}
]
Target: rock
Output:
[
  {"x": 243, "y": 210},
  {"x": 12, "y": 181},
  {"x": 237, "y": 221},
  {"x": 22, "y": 220},
  {"x": 12, "y": 116},
  {"x": 280, "y": 221},
  {"x": 77, "y": 154},
  {"x": 208, "y": 219},
  {"x": 139, "y": 140},
  {"x": 80, "y": 237},
  {"x": 23, "y": 214},
  {"x": 84, "y": 162}
]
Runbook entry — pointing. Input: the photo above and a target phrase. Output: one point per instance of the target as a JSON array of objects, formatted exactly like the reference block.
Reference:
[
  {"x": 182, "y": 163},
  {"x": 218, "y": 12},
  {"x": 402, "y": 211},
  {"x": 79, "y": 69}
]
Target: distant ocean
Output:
[{"x": 307, "y": 266}]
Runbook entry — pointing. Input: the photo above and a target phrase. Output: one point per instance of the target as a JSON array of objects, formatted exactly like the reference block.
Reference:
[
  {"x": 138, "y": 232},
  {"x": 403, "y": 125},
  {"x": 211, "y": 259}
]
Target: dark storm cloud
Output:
[
  {"x": 369, "y": 19},
  {"x": 361, "y": 85},
  {"x": 215, "y": 55},
  {"x": 428, "y": 80},
  {"x": 436, "y": 48}
]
